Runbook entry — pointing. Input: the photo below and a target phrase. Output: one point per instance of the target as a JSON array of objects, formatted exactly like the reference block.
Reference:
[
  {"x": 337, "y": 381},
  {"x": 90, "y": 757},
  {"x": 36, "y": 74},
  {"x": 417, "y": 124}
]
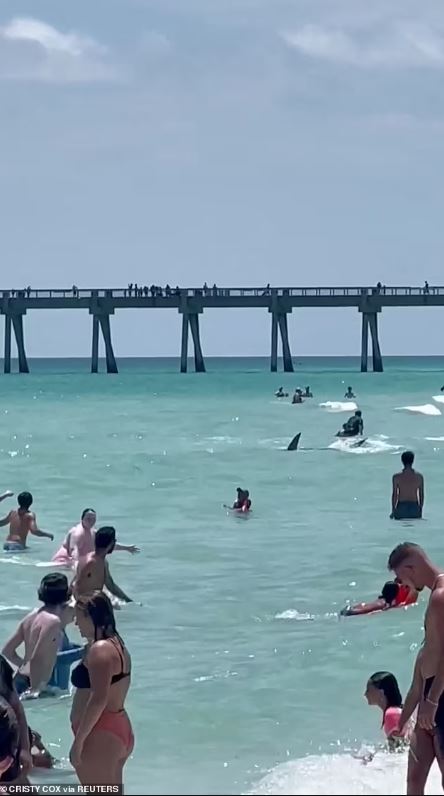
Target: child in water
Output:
[{"x": 383, "y": 692}]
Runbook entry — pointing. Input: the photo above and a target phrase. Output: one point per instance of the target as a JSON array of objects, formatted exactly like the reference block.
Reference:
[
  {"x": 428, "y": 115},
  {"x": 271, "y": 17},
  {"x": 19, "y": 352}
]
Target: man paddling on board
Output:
[
  {"x": 413, "y": 567},
  {"x": 354, "y": 427}
]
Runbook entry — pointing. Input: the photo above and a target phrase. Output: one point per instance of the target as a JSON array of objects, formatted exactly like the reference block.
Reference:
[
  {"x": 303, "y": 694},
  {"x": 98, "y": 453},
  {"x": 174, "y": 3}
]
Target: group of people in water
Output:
[
  {"x": 417, "y": 721},
  {"x": 102, "y": 733}
]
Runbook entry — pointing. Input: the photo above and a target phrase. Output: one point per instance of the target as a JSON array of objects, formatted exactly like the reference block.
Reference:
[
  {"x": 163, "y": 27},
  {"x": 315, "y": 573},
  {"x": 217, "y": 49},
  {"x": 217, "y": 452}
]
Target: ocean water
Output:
[{"x": 244, "y": 679}]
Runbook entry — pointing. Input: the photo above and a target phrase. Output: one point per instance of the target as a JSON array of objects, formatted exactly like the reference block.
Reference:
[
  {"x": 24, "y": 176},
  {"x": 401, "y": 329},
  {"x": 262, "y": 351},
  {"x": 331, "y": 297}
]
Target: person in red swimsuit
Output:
[
  {"x": 393, "y": 595},
  {"x": 103, "y": 736}
]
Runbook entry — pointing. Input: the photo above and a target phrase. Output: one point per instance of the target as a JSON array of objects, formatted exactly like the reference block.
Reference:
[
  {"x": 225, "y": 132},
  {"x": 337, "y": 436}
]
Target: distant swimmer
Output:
[
  {"x": 79, "y": 541},
  {"x": 297, "y": 397},
  {"x": 412, "y": 566},
  {"x": 280, "y": 393},
  {"x": 308, "y": 393},
  {"x": 242, "y": 502},
  {"x": 93, "y": 571},
  {"x": 408, "y": 491},
  {"x": 21, "y": 521},
  {"x": 349, "y": 394},
  {"x": 393, "y": 595},
  {"x": 382, "y": 691},
  {"x": 354, "y": 427}
]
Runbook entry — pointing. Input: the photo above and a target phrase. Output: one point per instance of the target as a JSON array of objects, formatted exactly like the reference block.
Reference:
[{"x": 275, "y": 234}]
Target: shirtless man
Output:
[
  {"x": 408, "y": 491},
  {"x": 21, "y": 522},
  {"x": 413, "y": 567},
  {"x": 93, "y": 571},
  {"x": 41, "y": 632},
  {"x": 79, "y": 541}
]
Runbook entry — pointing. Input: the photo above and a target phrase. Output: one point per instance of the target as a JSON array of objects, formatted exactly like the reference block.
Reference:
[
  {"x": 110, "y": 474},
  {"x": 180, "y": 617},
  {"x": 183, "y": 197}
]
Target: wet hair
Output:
[
  {"x": 24, "y": 500},
  {"x": 99, "y": 609},
  {"x": 9, "y": 731},
  {"x": 388, "y": 684},
  {"x": 390, "y": 591},
  {"x": 407, "y": 458},
  {"x": 105, "y": 537},
  {"x": 358, "y": 413},
  {"x": 87, "y": 511},
  {"x": 401, "y": 552},
  {"x": 54, "y": 589}
]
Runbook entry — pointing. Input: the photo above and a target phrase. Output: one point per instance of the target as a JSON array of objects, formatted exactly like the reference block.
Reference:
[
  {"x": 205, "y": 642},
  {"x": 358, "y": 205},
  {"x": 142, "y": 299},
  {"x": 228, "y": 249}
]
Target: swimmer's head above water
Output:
[
  {"x": 24, "y": 500},
  {"x": 383, "y": 690},
  {"x": 54, "y": 589},
  {"x": 412, "y": 566},
  {"x": 89, "y": 518},
  {"x": 390, "y": 591},
  {"x": 105, "y": 540},
  {"x": 95, "y": 617},
  {"x": 407, "y": 458}
]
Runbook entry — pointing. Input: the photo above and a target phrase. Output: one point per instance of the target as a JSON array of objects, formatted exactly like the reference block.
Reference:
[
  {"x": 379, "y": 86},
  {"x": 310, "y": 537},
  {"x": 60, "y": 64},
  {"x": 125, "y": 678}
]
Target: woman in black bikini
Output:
[{"x": 103, "y": 736}]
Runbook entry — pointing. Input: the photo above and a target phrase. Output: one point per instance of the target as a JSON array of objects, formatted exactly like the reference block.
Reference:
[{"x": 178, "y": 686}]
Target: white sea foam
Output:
[
  {"x": 422, "y": 409},
  {"x": 293, "y": 614},
  {"x": 342, "y": 775},
  {"x": 371, "y": 445},
  {"x": 339, "y": 406},
  {"x": 439, "y": 399},
  {"x": 14, "y": 608},
  {"x": 435, "y": 439}
]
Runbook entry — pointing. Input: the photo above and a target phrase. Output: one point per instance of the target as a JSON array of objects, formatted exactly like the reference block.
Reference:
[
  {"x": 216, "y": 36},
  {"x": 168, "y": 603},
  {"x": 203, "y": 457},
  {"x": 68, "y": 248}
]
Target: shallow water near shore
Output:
[{"x": 244, "y": 679}]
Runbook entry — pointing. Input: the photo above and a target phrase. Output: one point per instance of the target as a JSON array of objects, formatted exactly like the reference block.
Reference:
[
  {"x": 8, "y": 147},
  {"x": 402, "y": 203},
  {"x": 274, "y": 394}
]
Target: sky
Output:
[{"x": 296, "y": 142}]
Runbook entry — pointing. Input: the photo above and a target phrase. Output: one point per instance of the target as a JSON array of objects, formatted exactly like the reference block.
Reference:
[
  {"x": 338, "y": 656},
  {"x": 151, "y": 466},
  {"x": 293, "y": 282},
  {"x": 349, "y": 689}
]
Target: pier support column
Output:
[
  {"x": 95, "y": 345},
  {"x": 199, "y": 363},
  {"x": 286, "y": 352},
  {"x": 274, "y": 342},
  {"x": 7, "y": 357},
  {"x": 377, "y": 358},
  {"x": 17, "y": 322},
  {"x": 111, "y": 364},
  {"x": 184, "y": 351},
  {"x": 364, "y": 343}
]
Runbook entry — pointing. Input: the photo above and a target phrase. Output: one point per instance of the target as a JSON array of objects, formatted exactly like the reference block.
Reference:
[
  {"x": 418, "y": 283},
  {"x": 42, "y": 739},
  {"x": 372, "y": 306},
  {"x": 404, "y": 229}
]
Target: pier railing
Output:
[{"x": 223, "y": 292}]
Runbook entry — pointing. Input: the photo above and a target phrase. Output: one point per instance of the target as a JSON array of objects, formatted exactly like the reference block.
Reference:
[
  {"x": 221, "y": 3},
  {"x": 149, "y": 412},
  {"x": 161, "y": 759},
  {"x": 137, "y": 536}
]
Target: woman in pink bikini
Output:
[
  {"x": 103, "y": 736},
  {"x": 383, "y": 692}
]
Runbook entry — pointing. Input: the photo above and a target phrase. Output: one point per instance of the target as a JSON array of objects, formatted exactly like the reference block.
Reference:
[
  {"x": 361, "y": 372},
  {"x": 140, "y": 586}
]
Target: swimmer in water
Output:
[
  {"x": 280, "y": 393},
  {"x": 93, "y": 572},
  {"x": 308, "y": 393},
  {"x": 408, "y": 491},
  {"x": 297, "y": 397},
  {"x": 41, "y": 633},
  {"x": 242, "y": 502},
  {"x": 22, "y": 521},
  {"x": 354, "y": 427},
  {"x": 393, "y": 595},
  {"x": 79, "y": 541},
  {"x": 349, "y": 394},
  {"x": 383, "y": 691}
]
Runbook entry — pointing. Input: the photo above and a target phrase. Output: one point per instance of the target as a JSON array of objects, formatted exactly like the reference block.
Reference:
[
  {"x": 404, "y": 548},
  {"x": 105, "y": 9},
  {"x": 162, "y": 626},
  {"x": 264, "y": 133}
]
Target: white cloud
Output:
[
  {"x": 33, "y": 50},
  {"x": 407, "y": 44}
]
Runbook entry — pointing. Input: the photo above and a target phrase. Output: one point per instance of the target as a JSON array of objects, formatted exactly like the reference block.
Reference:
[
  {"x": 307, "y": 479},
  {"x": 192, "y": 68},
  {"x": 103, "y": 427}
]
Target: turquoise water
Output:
[{"x": 244, "y": 678}]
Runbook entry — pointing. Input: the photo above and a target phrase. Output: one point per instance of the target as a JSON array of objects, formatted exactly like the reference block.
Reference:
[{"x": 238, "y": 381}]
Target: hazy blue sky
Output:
[{"x": 237, "y": 141}]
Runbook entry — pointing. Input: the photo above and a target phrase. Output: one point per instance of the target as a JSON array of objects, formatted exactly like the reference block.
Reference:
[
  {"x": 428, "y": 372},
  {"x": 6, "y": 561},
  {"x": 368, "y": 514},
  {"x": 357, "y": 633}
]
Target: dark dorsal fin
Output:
[{"x": 293, "y": 446}]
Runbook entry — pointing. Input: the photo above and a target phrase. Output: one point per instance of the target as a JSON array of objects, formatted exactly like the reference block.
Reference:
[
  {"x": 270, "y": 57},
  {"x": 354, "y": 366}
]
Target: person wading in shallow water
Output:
[
  {"x": 103, "y": 736},
  {"x": 413, "y": 567}
]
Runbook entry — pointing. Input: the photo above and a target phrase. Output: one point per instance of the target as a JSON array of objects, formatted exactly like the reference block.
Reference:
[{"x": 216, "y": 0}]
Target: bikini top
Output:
[{"x": 80, "y": 674}]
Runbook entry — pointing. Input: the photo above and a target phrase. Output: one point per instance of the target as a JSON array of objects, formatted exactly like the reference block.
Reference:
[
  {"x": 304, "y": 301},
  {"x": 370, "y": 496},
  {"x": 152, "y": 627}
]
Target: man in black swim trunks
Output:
[
  {"x": 408, "y": 491},
  {"x": 414, "y": 568}
]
